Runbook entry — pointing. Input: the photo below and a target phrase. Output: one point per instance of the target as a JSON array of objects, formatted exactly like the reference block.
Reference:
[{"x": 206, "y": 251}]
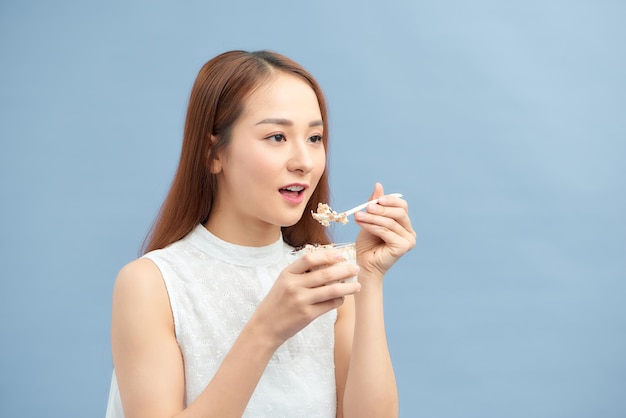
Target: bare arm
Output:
[
  {"x": 142, "y": 333},
  {"x": 148, "y": 362},
  {"x": 370, "y": 388},
  {"x": 365, "y": 378}
]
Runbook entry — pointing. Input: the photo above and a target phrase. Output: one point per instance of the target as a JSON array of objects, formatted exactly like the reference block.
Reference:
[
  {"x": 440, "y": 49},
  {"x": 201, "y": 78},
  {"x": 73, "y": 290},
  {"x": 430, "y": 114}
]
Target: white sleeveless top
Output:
[{"x": 214, "y": 287}]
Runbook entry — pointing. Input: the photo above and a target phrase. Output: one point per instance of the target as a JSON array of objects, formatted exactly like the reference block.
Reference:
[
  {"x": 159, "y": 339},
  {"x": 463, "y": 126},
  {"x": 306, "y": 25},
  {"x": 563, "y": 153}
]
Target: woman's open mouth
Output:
[{"x": 293, "y": 193}]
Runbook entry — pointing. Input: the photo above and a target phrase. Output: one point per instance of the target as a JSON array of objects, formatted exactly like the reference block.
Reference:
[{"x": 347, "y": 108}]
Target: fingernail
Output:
[{"x": 372, "y": 207}]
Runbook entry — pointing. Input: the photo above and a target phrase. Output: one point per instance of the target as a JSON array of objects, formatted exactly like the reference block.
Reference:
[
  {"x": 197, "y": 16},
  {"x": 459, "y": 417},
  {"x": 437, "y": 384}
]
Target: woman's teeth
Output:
[{"x": 293, "y": 189}]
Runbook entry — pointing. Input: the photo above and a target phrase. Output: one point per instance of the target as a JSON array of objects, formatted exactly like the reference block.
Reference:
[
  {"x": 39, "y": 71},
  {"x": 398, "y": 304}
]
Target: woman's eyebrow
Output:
[
  {"x": 275, "y": 121},
  {"x": 287, "y": 122}
]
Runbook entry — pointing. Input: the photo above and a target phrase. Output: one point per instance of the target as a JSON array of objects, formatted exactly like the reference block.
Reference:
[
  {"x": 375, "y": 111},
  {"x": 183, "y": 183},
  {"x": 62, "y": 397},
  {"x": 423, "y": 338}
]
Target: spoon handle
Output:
[{"x": 364, "y": 205}]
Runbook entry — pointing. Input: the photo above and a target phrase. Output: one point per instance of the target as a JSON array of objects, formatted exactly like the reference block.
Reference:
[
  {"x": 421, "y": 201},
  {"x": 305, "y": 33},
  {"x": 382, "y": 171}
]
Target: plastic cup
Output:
[{"x": 347, "y": 250}]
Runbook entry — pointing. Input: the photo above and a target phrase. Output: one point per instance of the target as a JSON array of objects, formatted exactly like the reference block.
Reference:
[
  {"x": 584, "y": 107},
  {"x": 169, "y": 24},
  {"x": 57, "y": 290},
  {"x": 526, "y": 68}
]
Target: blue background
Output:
[{"x": 503, "y": 123}]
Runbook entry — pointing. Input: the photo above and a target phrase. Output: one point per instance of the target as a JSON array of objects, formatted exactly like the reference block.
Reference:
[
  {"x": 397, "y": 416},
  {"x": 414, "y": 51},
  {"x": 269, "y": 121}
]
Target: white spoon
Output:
[{"x": 364, "y": 205}]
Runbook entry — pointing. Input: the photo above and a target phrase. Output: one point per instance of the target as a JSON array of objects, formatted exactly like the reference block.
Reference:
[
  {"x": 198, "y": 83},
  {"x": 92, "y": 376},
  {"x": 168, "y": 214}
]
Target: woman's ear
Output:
[{"x": 215, "y": 164}]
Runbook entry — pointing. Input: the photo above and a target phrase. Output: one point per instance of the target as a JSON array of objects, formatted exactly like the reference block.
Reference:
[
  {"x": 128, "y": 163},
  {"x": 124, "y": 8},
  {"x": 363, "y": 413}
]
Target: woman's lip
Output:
[
  {"x": 304, "y": 186},
  {"x": 292, "y": 197}
]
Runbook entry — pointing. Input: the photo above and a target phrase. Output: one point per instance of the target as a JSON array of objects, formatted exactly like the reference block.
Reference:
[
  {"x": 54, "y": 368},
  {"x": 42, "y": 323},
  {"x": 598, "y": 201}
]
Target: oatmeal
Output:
[
  {"x": 348, "y": 251},
  {"x": 325, "y": 215}
]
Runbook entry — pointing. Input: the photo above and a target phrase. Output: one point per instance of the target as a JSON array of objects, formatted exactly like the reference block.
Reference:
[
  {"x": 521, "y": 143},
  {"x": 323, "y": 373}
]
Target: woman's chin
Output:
[{"x": 291, "y": 222}]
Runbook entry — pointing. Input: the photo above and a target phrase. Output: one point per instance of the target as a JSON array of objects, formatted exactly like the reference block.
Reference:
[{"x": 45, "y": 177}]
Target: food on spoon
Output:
[{"x": 325, "y": 215}]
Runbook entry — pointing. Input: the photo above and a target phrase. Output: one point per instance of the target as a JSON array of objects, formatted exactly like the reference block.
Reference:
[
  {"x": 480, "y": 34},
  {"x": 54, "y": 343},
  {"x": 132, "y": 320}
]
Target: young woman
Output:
[{"x": 216, "y": 320}]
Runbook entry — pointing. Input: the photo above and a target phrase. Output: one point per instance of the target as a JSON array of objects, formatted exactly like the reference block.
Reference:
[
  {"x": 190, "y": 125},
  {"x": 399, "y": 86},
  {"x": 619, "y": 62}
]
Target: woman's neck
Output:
[{"x": 238, "y": 232}]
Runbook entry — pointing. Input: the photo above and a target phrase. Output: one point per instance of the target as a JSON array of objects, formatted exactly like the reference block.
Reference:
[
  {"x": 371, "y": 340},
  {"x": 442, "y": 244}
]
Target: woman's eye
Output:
[
  {"x": 315, "y": 139},
  {"x": 276, "y": 137}
]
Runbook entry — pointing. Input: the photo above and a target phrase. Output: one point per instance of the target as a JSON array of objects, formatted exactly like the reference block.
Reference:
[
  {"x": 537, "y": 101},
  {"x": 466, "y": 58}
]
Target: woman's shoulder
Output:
[
  {"x": 139, "y": 280},
  {"x": 140, "y": 269}
]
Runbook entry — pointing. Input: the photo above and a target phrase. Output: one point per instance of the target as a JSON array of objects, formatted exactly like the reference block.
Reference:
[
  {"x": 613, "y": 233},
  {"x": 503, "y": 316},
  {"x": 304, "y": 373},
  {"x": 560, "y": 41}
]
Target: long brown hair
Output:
[{"x": 216, "y": 101}]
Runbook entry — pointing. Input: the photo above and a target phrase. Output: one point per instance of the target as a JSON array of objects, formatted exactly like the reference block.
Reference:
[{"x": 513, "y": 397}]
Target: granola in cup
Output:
[{"x": 346, "y": 249}]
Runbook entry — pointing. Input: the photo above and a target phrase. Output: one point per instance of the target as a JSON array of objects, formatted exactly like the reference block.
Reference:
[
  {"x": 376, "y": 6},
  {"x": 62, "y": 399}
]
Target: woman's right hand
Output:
[{"x": 303, "y": 292}]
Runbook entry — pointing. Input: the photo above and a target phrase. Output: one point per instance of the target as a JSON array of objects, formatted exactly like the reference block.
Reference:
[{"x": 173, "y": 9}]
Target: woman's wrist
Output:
[
  {"x": 257, "y": 330},
  {"x": 371, "y": 284},
  {"x": 367, "y": 276}
]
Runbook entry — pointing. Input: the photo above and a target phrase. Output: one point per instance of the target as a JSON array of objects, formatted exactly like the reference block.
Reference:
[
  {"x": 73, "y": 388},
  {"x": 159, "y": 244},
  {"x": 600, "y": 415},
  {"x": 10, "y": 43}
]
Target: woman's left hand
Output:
[{"x": 386, "y": 233}]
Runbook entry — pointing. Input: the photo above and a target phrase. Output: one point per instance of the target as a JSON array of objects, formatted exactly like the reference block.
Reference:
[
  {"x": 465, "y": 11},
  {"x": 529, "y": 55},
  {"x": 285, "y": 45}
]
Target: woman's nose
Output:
[{"x": 300, "y": 159}]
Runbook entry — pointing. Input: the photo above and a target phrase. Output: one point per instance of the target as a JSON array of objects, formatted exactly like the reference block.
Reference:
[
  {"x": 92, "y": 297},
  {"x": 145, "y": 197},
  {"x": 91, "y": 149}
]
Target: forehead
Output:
[{"x": 283, "y": 95}]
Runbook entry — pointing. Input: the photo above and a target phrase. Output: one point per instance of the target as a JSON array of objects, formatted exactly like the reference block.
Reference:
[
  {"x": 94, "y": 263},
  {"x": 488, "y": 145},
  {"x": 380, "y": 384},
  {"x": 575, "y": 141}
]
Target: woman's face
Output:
[{"x": 274, "y": 160}]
